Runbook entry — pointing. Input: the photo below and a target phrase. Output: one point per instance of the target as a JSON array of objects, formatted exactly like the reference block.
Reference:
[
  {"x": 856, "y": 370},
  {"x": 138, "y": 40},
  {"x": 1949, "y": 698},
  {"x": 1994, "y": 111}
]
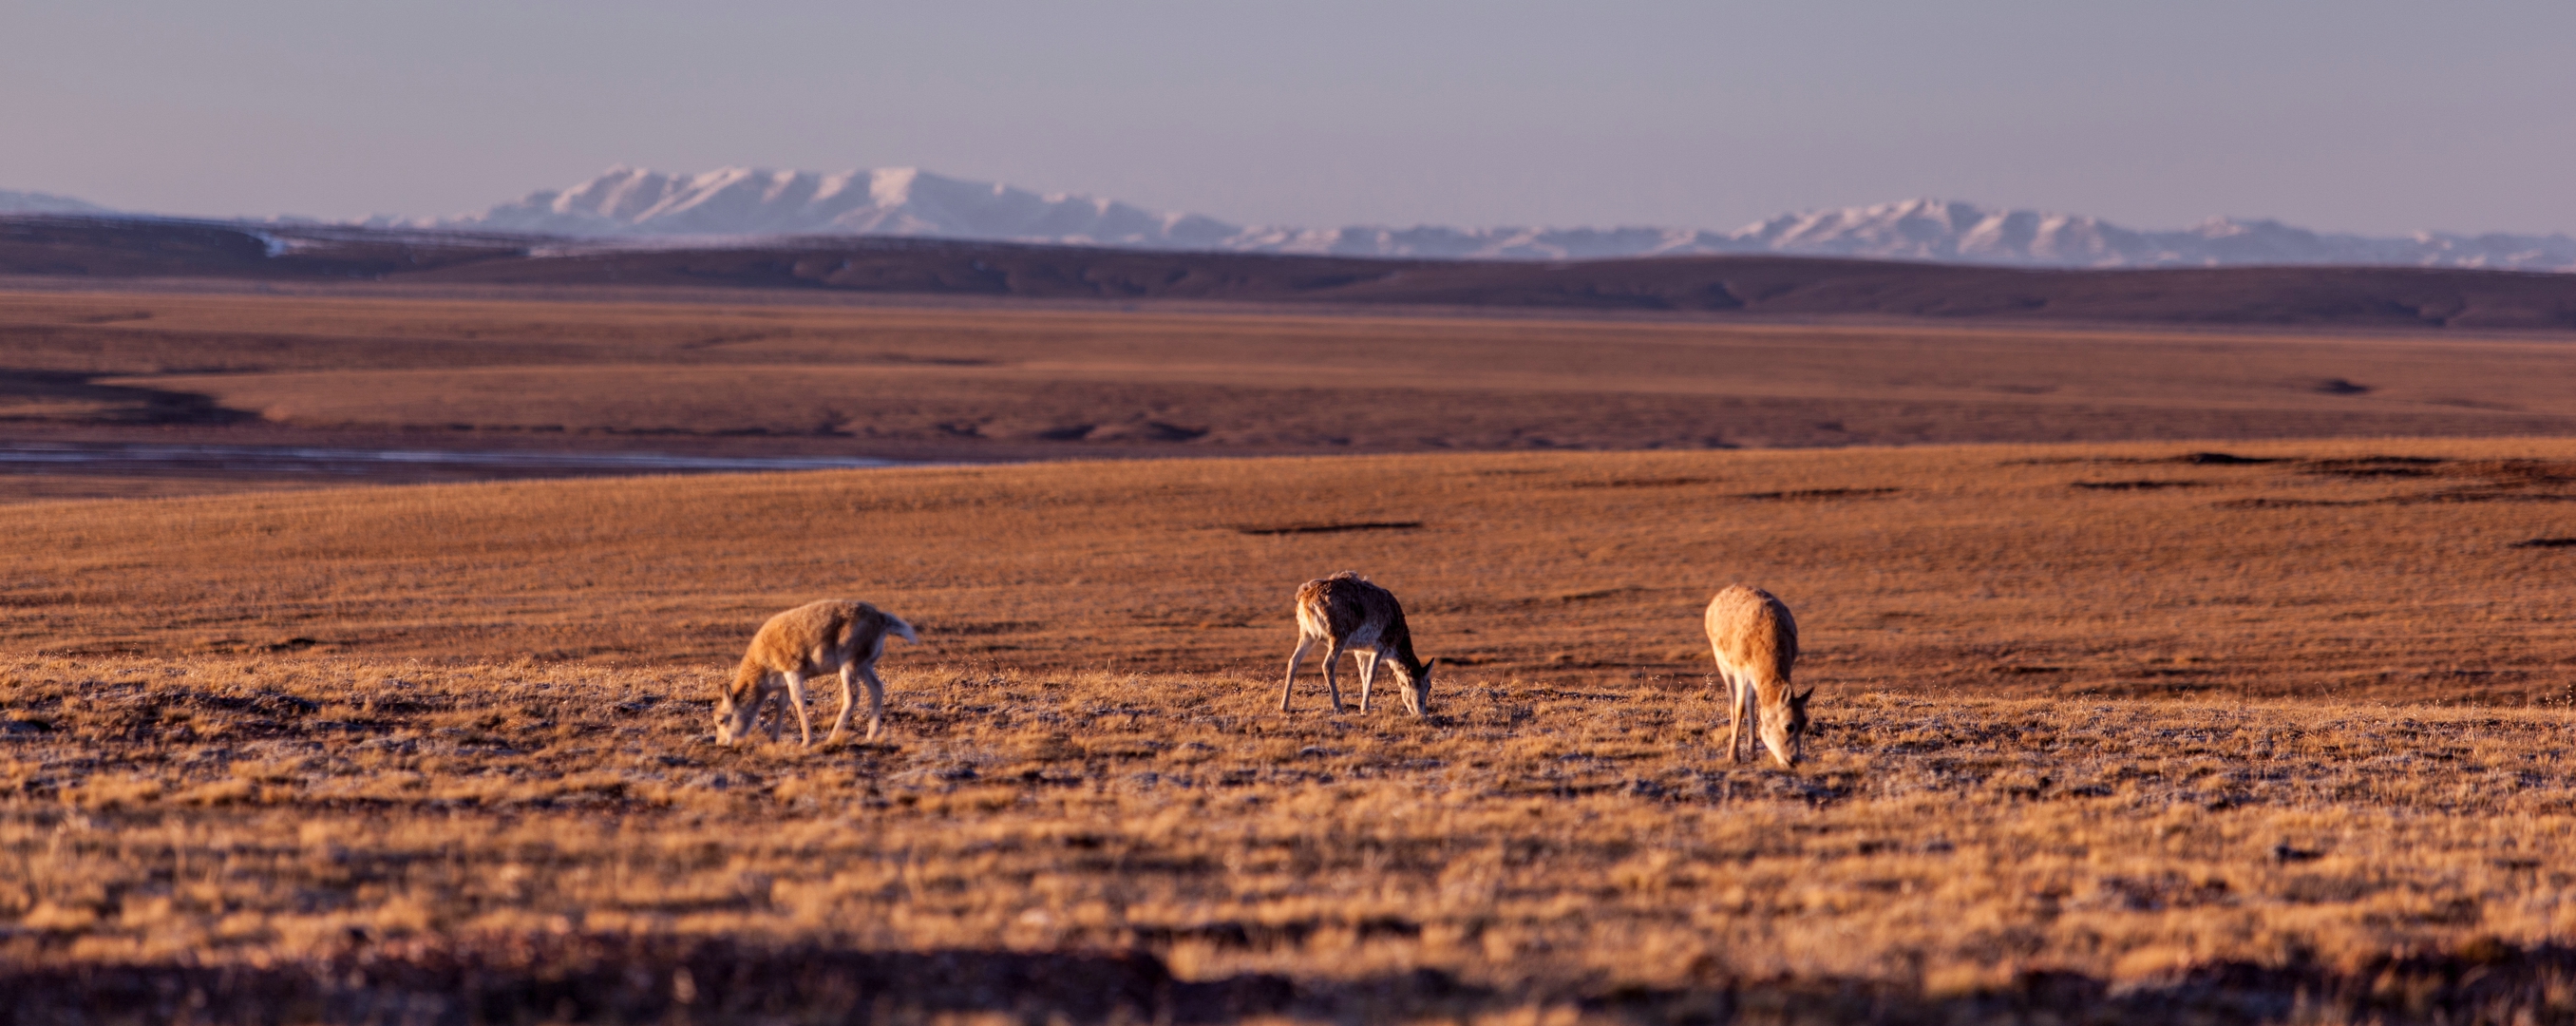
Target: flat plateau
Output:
[{"x": 2239, "y": 731}]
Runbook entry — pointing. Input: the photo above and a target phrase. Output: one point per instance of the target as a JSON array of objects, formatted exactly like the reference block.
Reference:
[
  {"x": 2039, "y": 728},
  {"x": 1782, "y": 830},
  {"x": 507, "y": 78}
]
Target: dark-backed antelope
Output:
[
  {"x": 1756, "y": 643},
  {"x": 1347, "y": 613},
  {"x": 834, "y": 635}
]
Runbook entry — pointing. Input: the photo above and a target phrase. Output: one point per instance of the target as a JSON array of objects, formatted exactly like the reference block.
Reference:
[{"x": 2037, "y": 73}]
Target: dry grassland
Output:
[
  {"x": 2379, "y": 571},
  {"x": 1036, "y": 384},
  {"x": 1531, "y": 849},
  {"x": 2119, "y": 728}
]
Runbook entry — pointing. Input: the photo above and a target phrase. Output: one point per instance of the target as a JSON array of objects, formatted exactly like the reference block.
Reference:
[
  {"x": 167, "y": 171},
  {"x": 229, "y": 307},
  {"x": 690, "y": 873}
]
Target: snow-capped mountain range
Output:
[
  {"x": 636, "y": 204},
  {"x": 633, "y": 206}
]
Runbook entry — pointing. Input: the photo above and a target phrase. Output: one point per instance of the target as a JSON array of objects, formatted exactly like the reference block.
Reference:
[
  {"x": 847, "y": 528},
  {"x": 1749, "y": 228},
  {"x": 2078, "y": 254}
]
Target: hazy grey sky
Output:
[{"x": 2357, "y": 115}]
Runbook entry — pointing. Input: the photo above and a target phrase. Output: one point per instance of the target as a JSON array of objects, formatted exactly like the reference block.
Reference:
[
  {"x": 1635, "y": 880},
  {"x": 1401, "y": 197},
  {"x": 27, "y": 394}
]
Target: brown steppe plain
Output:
[
  {"x": 2095, "y": 710},
  {"x": 2107, "y": 730},
  {"x": 1023, "y": 383}
]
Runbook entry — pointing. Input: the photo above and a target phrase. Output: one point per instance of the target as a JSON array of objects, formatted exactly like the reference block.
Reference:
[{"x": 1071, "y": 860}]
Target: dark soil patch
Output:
[
  {"x": 1817, "y": 493},
  {"x": 2222, "y": 459},
  {"x": 110, "y": 404},
  {"x": 1645, "y": 482},
  {"x": 2136, "y": 486},
  {"x": 1371, "y": 525}
]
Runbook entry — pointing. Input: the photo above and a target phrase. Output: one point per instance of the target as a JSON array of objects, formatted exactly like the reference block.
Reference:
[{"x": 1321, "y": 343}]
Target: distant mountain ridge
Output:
[
  {"x": 627, "y": 206},
  {"x": 626, "y": 201},
  {"x": 635, "y": 203},
  {"x": 46, "y": 203}
]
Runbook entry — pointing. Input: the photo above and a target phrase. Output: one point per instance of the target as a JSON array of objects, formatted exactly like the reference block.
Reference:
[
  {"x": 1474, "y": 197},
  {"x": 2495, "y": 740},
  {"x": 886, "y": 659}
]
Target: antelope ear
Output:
[
  {"x": 1801, "y": 697},
  {"x": 1427, "y": 664}
]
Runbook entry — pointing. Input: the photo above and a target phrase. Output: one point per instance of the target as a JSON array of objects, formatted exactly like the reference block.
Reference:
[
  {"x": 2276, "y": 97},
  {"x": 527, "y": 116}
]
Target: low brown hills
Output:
[{"x": 1732, "y": 286}]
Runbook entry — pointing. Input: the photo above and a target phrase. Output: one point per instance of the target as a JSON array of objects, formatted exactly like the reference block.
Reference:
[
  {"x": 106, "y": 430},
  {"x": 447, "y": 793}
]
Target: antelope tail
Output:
[{"x": 900, "y": 629}]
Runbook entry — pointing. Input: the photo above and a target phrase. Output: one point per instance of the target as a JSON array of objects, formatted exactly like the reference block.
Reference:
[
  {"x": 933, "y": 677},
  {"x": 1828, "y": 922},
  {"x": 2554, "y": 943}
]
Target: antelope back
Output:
[
  {"x": 1752, "y": 632},
  {"x": 1343, "y": 604}
]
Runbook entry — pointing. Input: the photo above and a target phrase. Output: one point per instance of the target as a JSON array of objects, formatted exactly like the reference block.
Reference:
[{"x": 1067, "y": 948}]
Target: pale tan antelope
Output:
[
  {"x": 806, "y": 642},
  {"x": 1756, "y": 642},
  {"x": 1347, "y": 613}
]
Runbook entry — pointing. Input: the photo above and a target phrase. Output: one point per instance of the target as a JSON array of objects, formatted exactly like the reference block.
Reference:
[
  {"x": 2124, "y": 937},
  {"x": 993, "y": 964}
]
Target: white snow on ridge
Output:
[
  {"x": 1937, "y": 230},
  {"x": 634, "y": 205},
  {"x": 888, "y": 201},
  {"x": 627, "y": 206}
]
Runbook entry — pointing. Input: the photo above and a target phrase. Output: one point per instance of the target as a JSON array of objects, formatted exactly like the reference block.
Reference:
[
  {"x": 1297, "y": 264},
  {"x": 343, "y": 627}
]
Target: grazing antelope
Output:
[
  {"x": 805, "y": 642},
  {"x": 1347, "y": 613},
  {"x": 1756, "y": 642}
]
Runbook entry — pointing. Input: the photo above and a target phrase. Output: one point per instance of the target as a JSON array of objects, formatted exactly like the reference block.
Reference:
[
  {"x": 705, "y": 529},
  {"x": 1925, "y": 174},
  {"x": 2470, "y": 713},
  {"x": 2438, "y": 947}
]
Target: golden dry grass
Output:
[
  {"x": 1532, "y": 846},
  {"x": 2114, "y": 715}
]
